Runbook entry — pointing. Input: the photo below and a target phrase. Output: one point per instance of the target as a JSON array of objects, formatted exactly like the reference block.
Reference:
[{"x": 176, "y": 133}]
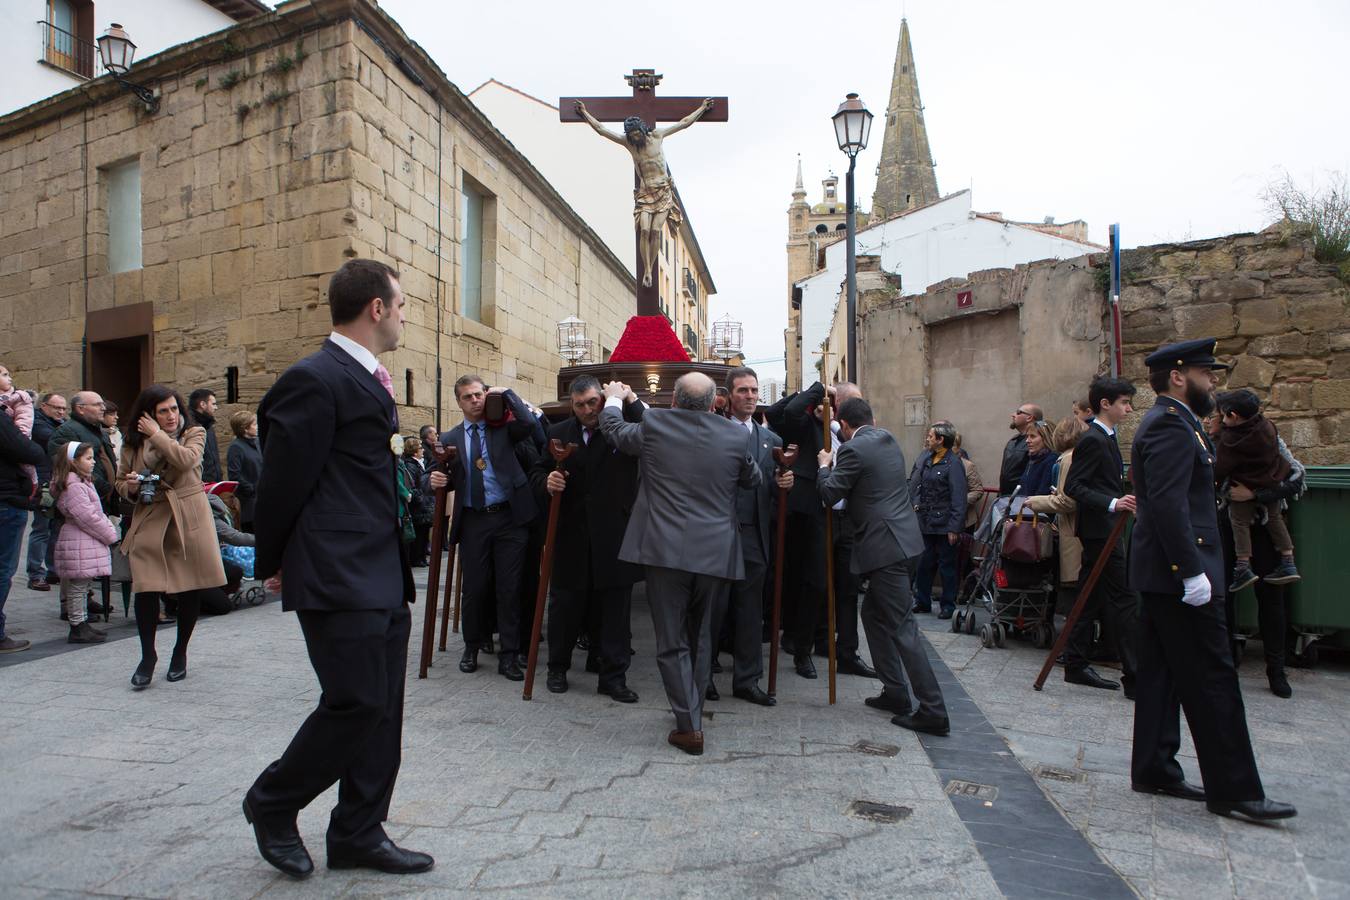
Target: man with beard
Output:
[
  {"x": 1015, "y": 453},
  {"x": 203, "y": 404},
  {"x": 654, "y": 202},
  {"x": 1176, "y": 564}
]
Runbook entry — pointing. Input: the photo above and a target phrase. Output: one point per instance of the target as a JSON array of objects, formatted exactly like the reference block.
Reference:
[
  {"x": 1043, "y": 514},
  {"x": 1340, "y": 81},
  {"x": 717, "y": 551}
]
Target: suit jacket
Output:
[
  {"x": 869, "y": 471},
  {"x": 327, "y": 508},
  {"x": 758, "y": 506},
  {"x": 595, "y": 506},
  {"x": 1176, "y": 530},
  {"x": 513, "y": 453},
  {"x": 794, "y": 419},
  {"x": 1096, "y": 477},
  {"x": 684, "y": 517}
]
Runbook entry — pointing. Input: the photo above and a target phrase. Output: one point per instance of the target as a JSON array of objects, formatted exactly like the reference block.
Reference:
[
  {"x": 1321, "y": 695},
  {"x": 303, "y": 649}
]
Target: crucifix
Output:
[{"x": 655, "y": 202}]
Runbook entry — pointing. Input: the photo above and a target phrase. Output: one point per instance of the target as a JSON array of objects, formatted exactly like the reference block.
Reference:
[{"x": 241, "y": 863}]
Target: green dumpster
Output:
[{"x": 1319, "y": 608}]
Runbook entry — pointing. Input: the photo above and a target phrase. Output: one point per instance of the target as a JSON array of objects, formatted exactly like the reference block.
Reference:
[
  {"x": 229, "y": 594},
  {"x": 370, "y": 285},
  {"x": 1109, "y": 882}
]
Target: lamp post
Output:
[
  {"x": 852, "y": 126},
  {"x": 727, "y": 338},
  {"x": 117, "y": 52},
  {"x": 573, "y": 345}
]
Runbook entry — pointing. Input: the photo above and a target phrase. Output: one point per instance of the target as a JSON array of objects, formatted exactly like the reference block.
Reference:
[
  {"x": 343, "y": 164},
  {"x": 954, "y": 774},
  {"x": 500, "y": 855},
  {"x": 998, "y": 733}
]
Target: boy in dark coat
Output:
[{"x": 1248, "y": 453}]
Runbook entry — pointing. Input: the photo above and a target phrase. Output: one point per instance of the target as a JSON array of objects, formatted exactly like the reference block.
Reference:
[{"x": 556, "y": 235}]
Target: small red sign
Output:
[{"x": 964, "y": 299}]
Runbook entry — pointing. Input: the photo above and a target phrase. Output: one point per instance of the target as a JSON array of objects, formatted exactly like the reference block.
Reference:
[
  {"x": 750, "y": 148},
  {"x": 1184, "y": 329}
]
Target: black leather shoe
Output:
[
  {"x": 1264, "y": 810},
  {"x": 889, "y": 704},
  {"x": 176, "y": 674},
  {"x": 621, "y": 693},
  {"x": 805, "y": 667},
  {"x": 383, "y": 857},
  {"x": 946, "y": 612},
  {"x": 920, "y": 608},
  {"x": 1182, "y": 790},
  {"x": 469, "y": 661},
  {"x": 556, "y": 682},
  {"x": 509, "y": 668},
  {"x": 711, "y": 692},
  {"x": 141, "y": 677},
  {"x": 280, "y": 847},
  {"x": 927, "y": 724},
  {"x": 1089, "y": 677},
  {"x": 754, "y": 695},
  {"x": 1279, "y": 682},
  {"x": 855, "y": 665}
]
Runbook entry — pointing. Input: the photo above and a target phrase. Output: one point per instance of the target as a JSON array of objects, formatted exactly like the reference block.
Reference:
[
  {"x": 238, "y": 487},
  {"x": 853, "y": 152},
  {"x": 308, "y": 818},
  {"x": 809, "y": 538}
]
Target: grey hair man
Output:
[{"x": 683, "y": 529}]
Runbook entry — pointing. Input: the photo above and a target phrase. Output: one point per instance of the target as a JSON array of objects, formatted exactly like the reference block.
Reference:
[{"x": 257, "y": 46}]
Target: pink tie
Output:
[{"x": 382, "y": 374}]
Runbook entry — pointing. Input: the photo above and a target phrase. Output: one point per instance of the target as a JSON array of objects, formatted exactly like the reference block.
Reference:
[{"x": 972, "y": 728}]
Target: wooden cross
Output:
[{"x": 652, "y": 110}]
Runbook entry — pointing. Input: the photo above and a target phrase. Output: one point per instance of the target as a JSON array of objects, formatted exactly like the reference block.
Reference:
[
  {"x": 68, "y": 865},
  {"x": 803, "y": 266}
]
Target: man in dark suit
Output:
[
  {"x": 590, "y": 585},
  {"x": 755, "y": 513},
  {"x": 869, "y": 472},
  {"x": 1176, "y": 564},
  {"x": 328, "y": 525},
  {"x": 494, "y": 507},
  {"x": 684, "y": 530},
  {"x": 1096, "y": 483}
]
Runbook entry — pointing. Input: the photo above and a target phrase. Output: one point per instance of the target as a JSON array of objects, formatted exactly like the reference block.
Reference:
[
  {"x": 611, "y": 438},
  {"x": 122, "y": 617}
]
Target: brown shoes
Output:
[{"x": 690, "y": 742}]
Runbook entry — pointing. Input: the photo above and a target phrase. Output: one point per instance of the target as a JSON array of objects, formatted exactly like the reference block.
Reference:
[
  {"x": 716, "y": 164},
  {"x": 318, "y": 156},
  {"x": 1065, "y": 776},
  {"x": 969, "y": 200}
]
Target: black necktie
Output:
[{"x": 477, "y": 493}]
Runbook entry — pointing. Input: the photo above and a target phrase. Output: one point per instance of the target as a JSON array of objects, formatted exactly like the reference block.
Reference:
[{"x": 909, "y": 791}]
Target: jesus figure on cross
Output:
[{"x": 654, "y": 198}]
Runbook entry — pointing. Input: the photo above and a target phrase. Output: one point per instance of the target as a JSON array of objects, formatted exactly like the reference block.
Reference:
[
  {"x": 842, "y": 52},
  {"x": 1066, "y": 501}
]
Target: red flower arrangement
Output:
[{"x": 649, "y": 339}]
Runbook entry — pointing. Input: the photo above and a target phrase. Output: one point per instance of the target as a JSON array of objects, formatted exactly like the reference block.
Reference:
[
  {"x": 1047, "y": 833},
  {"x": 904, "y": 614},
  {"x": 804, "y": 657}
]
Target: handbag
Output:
[
  {"x": 1027, "y": 541},
  {"x": 121, "y": 565}
]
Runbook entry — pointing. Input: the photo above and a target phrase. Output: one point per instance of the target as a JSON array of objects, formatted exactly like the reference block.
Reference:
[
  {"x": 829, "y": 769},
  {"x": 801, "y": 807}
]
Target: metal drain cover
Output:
[
  {"x": 1053, "y": 773},
  {"x": 872, "y": 749},
  {"x": 877, "y": 812},
  {"x": 986, "y": 792}
]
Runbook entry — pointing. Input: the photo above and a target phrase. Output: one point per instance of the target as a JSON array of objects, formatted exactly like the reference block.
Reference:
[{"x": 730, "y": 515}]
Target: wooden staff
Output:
[
  {"x": 559, "y": 453},
  {"x": 444, "y": 456},
  {"x": 459, "y": 590},
  {"x": 451, "y": 572},
  {"x": 829, "y": 562},
  {"x": 1083, "y": 594},
  {"x": 785, "y": 458}
]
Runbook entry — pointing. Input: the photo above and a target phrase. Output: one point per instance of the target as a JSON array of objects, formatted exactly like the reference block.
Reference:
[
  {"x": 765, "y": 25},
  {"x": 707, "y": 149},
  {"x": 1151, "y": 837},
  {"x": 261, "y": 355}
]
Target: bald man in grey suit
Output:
[
  {"x": 684, "y": 530},
  {"x": 869, "y": 472}
]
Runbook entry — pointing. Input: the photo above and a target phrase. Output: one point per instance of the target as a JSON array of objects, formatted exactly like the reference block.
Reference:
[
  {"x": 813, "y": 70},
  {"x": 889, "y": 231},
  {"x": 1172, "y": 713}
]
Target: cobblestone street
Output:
[{"x": 111, "y": 792}]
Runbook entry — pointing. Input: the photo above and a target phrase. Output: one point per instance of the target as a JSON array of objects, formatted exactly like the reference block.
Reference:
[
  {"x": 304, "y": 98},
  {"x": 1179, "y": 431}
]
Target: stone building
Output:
[
  {"x": 193, "y": 246},
  {"x": 971, "y": 349}
]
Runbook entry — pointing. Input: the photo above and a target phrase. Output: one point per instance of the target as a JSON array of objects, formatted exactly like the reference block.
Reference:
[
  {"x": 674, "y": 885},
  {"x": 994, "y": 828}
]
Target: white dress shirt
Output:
[{"x": 355, "y": 351}]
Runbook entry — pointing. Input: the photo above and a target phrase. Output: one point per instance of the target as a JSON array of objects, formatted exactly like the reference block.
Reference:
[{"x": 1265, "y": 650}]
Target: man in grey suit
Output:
[
  {"x": 870, "y": 472},
  {"x": 684, "y": 530}
]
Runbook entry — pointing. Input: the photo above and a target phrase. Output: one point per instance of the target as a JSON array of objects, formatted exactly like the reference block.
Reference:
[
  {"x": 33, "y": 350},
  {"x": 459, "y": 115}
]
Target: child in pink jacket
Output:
[
  {"x": 86, "y": 534},
  {"x": 19, "y": 406}
]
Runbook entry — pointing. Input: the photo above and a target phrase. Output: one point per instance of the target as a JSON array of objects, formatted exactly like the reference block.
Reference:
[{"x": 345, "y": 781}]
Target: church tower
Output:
[
  {"x": 905, "y": 177},
  {"x": 800, "y": 264}
]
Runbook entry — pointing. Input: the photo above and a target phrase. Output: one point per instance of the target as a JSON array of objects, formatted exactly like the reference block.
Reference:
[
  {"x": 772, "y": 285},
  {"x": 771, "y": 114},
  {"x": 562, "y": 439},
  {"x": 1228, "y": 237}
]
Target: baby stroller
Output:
[{"x": 1014, "y": 578}]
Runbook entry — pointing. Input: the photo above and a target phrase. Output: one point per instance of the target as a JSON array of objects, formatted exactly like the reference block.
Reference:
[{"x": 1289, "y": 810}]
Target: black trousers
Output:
[
  {"x": 1272, "y": 600},
  {"x": 492, "y": 554},
  {"x": 847, "y": 586},
  {"x": 606, "y": 614},
  {"x": 803, "y": 578},
  {"x": 1185, "y": 663},
  {"x": 742, "y": 608},
  {"x": 1113, "y": 601},
  {"x": 354, "y": 736}
]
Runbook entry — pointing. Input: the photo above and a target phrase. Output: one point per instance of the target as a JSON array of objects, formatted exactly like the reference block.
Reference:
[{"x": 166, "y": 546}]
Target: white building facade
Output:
[
  {"x": 49, "y": 45},
  {"x": 946, "y": 239}
]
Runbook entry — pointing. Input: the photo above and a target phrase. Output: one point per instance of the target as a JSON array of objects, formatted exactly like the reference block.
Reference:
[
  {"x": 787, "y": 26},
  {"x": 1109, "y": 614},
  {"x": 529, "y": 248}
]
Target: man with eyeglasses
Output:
[
  {"x": 85, "y": 425},
  {"x": 1015, "y": 453},
  {"x": 51, "y": 412}
]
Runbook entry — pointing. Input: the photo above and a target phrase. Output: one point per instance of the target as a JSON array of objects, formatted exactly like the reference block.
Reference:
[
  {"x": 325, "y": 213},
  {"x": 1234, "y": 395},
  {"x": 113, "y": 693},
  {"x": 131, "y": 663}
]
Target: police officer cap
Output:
[{"x": 1198, "y": 354}]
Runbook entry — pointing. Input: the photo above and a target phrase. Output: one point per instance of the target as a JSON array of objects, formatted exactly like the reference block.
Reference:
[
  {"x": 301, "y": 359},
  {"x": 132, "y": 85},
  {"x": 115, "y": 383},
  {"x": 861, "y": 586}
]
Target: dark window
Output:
[
  {"x": 822, "y": 228},
  {"x": 232, "y": 384},
  {"x": 408, "y": 386}
]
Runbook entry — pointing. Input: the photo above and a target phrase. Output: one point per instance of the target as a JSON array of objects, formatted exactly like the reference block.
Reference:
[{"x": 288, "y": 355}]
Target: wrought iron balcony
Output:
[
  {"x": 691, "y": 340},
  {"x": 66, "y": 51},
  {"x": 690, "y": 284}
]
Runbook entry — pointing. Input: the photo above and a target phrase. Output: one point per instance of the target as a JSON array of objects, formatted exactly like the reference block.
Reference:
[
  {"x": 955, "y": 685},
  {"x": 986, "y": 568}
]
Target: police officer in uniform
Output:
[{"x": 1176, "y": 565}]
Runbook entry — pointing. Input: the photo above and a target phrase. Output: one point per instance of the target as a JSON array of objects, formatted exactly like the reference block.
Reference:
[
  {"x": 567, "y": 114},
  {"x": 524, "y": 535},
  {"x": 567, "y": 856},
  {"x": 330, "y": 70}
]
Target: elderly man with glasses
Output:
[
  {"x": 1015, "y": 453},
  {"x": 85, "y": 425}
]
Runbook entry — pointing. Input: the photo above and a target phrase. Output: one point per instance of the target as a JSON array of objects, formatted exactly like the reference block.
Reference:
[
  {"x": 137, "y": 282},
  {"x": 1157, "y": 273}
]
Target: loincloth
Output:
[{"x": 654, "y": 200}]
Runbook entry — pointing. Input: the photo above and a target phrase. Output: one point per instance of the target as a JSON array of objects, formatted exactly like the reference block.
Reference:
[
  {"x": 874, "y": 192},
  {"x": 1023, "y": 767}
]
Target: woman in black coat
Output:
[
  {"x": 243, "y": 464},
  {"x": 421, "y": 505},
  {"x": 937, "y": 487}
]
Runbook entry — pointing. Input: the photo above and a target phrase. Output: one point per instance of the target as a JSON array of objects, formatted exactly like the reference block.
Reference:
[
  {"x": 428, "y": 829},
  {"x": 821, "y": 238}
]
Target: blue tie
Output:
[{"x": 477, "y": 493}]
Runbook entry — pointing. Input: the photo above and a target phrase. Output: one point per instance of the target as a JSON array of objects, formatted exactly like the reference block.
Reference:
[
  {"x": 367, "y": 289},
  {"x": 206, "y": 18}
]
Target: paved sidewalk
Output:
[{"x": 112, "y": 792}]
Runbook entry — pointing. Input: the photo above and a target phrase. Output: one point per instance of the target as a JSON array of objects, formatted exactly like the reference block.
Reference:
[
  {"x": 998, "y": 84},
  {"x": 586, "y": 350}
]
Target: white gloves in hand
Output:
[{"x": 1197, "y": 590}]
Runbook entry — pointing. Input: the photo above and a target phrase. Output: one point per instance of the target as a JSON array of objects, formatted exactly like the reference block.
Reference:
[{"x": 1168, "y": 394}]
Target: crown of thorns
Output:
[{"x": 634, "y": 123}]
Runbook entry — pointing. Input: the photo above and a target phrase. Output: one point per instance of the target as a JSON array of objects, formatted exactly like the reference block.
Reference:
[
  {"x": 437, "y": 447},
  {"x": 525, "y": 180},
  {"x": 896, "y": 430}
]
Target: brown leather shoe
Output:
[{"x": 690, "y": 742}]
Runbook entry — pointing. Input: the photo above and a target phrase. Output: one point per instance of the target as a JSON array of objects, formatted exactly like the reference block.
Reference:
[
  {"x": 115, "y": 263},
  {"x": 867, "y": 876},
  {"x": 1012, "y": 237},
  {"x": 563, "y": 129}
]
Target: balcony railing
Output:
[
  {"x": 691, "y": 339},
  {"x": 690, "y": 284},
  {"x": 64, "y": 50}
]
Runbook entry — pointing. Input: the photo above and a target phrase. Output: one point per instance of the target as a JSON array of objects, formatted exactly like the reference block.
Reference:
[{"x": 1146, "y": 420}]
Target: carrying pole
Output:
[
  {"x": 444, "y": 456},
  {"x": 785, "y": 459},
  {"x": 560, "y": 454},
  {"x": 829, "y": 563}
]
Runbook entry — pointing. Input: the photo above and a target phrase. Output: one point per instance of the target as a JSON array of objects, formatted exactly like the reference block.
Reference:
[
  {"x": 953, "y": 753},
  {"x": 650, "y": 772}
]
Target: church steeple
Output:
[
  {"x": 799, "y": 190},
  {"x": 905, "y": 176}
]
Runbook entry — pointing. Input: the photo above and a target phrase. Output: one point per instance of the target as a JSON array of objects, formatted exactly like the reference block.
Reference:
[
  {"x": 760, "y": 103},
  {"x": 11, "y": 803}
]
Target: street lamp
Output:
[
  {"x": 852, "y": 127},
  {"x": 573, "y": 345},
  {"x": 727, "y": 338},
  {"x": 117, "y": 51}
]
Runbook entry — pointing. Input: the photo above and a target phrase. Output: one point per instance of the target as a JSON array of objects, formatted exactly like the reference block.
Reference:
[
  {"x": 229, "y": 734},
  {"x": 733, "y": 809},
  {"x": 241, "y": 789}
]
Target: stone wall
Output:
[
  {"x": 283, "y": 147},
  {"x": 1280, "y": 317}
]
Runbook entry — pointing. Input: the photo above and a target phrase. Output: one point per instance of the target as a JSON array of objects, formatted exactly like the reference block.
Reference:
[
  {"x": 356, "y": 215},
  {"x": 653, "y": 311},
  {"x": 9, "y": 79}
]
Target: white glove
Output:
[{"x": 1197, "y": 590}]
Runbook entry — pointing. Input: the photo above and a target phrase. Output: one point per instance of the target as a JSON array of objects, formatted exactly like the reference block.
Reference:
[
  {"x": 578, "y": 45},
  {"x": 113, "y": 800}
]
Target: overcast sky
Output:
[{"x": 1167, "y": 117}]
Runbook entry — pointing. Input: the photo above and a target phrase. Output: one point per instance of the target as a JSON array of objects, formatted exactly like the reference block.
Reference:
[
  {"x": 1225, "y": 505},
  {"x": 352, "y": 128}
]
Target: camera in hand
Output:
[{"x": 149, "y": 486}]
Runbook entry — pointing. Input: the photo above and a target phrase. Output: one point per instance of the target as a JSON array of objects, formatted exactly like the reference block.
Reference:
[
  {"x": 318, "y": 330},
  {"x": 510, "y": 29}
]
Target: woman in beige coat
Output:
[
  {"x": 1061, "y": 504},
  {"x": 171, "y": 543}
]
